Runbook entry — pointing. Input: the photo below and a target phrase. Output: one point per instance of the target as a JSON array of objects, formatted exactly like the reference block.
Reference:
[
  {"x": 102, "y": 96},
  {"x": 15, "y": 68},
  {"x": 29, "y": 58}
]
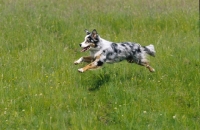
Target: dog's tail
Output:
[{"x": 150, "y": 50}]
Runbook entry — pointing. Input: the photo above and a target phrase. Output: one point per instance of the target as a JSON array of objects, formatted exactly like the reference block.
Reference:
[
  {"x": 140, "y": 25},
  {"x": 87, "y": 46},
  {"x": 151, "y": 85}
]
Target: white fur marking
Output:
[
  {"x": 78, "y": 61},
  {"x": 80, "y": 70}
]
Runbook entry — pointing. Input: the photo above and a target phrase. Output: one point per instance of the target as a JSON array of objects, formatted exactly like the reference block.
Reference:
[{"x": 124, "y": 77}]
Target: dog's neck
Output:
[{"x": 102, "y": 45}]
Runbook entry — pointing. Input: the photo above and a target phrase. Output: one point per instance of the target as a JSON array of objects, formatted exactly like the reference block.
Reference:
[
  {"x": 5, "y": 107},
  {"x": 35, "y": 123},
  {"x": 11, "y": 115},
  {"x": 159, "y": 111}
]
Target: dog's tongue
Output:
[{"x": 84, "y": 49}]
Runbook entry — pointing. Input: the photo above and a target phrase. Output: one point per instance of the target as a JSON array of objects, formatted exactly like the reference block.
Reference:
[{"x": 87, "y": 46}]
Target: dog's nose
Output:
[{"x": 80, "y": 45}]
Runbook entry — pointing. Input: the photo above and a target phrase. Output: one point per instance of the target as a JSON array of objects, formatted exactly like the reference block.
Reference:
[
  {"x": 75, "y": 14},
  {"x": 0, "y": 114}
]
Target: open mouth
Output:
[{"x": 85, "y": 49}]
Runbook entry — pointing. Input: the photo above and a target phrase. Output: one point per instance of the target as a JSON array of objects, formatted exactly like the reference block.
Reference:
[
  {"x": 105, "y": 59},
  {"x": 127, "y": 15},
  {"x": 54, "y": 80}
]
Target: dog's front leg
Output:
[
  {"x": 146, "y": 64},
  {"x": 78, "y": 61},
  {"x": 94, "y": 65},
  {"x": 88, "y": 59}
]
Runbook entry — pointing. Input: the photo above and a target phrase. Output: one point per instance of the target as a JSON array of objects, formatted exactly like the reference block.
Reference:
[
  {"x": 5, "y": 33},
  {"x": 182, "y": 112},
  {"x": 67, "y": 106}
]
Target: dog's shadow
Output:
[{"x": 98, "y": 80}]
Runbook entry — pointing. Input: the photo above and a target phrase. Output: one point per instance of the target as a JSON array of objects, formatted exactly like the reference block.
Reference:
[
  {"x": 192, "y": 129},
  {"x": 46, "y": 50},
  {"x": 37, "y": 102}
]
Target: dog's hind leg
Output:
[
  {"x": 87, "y": 59},
  {"x": 146, "y": 64}
]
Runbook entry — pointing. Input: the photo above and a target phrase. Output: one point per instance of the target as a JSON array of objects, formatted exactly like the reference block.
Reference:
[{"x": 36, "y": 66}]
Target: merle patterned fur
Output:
[{"x": 103, "y": 51}]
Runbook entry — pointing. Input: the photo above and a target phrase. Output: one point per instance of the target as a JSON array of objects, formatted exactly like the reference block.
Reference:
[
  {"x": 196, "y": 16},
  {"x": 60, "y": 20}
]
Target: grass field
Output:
[{"x": 40, "y": 87}]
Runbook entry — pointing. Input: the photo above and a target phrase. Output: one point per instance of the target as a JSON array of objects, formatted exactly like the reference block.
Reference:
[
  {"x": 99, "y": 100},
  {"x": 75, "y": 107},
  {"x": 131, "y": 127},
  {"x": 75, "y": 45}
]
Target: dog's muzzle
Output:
[{"x": 84, "y": 48}]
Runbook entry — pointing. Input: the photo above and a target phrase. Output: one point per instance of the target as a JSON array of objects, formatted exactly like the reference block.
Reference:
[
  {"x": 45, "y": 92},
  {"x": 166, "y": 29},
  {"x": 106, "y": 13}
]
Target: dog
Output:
[{"x": 104, "y": 51}]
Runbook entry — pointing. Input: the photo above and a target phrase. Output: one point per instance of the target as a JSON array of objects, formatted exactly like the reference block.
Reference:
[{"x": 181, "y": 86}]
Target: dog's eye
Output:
[{"x": 87, "y": 40}]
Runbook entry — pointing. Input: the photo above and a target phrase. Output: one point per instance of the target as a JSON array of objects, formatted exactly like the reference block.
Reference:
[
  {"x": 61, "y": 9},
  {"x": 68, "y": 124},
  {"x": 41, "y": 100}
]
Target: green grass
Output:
[{"x": 40, "y": 87}]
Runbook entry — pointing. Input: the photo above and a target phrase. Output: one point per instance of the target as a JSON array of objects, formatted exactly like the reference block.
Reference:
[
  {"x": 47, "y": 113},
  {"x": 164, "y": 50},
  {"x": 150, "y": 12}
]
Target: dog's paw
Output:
[
  {"x": 152, "y": 70},
  {"x": 76, "y": 63},
  {"x": 80, "y": 70}
]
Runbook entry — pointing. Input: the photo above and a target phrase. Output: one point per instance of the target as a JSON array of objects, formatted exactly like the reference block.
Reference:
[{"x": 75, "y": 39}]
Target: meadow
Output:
[{"x": 40, "y": 87}]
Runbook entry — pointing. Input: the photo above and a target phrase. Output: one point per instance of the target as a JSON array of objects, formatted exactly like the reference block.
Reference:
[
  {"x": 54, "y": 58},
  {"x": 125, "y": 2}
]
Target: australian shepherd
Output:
[{"x": 104, "y": 51}]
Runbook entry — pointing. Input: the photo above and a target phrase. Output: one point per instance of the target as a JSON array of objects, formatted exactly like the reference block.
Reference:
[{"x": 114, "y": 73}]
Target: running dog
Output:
[{"x": 103, "y": 51}]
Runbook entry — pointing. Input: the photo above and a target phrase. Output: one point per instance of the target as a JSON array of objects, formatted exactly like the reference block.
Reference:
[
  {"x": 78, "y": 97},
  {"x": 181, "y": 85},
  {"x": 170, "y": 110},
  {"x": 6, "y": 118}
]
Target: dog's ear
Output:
[
  {"x": 94, "y": 33},
  {"x": 87, "y": 32}
]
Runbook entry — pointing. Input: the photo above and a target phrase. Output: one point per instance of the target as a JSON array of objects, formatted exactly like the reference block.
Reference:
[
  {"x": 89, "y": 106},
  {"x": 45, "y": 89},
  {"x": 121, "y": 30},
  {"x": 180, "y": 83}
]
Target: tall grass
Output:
[{"x": 40, "y": 87}]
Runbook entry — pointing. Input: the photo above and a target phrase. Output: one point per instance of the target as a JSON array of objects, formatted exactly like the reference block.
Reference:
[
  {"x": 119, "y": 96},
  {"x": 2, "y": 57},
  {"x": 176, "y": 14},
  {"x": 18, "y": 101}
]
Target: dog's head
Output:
[{"x": 91, "y": 41}]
